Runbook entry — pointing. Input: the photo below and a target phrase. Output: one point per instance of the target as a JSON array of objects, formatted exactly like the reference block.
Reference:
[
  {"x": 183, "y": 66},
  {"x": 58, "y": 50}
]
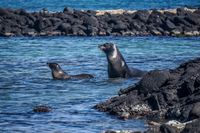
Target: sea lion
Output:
[
  {"x": 58, "y": 73},
  {"x": 117, "y": 66}
]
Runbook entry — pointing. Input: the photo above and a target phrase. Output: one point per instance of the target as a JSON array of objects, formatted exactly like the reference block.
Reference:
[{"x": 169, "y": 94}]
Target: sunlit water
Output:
[
  {"x": 59, "y": 5},
  {"x": 26, "y": 81}
]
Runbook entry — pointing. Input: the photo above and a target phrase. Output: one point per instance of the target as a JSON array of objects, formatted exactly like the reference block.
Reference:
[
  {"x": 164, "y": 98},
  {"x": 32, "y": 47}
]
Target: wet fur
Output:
[
  {"x": 58, "y": 73},
  {"x": 117, "y": 66}
]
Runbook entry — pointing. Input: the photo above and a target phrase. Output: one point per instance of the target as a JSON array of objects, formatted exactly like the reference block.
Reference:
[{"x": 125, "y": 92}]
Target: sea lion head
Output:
[
  {"x": 53, "y": 66},
  {"x": 107, "y": 47},
  {"x": 57, "y": 72}
]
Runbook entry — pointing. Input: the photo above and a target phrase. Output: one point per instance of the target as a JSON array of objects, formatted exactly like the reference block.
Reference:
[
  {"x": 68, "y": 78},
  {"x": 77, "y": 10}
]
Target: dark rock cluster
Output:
[
  {"x": 173, "y": 94},
  {"x": 72, "y": 22},
  {"x": 191, "y": 127}
]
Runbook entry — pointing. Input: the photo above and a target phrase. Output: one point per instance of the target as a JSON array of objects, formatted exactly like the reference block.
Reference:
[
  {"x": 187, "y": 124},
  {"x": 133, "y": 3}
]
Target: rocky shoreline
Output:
[
  {"x": 176, "y": 22},
  {"x": 160, "y": 94},
  {"x": 168, "y": 127}
]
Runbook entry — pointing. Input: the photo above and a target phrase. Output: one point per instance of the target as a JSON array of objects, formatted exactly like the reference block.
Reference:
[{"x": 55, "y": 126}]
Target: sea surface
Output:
[
  {"x": 26, "y": 81},
  {"x": 59, "y": 5}
]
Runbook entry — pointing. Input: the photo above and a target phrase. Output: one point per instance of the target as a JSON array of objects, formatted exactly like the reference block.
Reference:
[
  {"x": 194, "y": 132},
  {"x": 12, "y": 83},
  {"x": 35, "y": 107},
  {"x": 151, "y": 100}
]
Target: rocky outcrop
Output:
[
  {"x": 191, "y": 127},
  {"x": 164, "y": 128},
  {"x": 169, "y": 127},
  {"x": 173, "y": 94},
  {"x": 70, "y": 22}
]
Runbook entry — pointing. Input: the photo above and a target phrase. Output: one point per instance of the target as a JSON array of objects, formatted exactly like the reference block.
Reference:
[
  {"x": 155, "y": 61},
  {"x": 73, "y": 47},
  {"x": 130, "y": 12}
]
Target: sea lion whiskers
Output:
[{"x": 101, "y": 47}]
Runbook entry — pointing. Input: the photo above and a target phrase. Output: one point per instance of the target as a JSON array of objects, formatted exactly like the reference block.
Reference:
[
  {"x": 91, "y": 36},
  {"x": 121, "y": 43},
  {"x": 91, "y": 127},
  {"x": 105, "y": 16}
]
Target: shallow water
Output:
[
  {"x": 59, "y": 5},
  {"x": 26, "y": 82}
]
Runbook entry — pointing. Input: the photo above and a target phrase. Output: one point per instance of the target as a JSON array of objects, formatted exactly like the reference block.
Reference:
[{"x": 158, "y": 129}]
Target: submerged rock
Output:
[
  {"x": 42, "y": 109},
  {"x": 122, "y": 131}
]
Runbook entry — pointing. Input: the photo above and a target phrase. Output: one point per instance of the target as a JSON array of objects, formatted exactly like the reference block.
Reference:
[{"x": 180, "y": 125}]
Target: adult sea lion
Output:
[
  {"x": 58, "y": 73},
  {"x": 117, "y": 66}
]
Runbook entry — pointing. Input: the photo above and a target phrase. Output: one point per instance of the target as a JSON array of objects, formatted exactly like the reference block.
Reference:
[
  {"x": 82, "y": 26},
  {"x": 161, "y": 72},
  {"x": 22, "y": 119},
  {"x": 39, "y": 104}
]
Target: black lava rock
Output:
[
  {"x": 141, "y": 23},
  {"x": 173, "y": 94}
]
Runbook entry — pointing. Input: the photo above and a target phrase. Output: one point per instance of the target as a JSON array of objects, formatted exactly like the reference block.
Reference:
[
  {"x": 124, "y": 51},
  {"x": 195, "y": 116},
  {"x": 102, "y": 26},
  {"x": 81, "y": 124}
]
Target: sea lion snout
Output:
[
  {"x": 50, "y": 65},
  {"x": 107, "y": 47},
  {"x": 53, "y": 65},
  {"x": 101, "y": 47}
]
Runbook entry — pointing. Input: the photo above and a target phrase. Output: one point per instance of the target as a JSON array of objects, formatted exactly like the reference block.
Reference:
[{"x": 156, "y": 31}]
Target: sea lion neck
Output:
[{"x": 60, "y": 74}]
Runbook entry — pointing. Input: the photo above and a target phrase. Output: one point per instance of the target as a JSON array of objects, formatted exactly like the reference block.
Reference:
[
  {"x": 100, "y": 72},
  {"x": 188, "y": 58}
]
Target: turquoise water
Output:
[
  {"x": 26, "y": 82},
  {"x": 59, "y": 5}
]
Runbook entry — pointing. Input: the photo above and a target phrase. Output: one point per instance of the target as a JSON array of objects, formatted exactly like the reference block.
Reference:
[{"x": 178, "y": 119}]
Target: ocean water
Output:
[
  {"x": 59, "y": 5},
  {"x": 26, "y": 81}
]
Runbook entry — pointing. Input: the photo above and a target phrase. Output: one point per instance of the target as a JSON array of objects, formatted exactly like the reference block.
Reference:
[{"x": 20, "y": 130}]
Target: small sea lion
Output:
[
  {"x": 117, "y": 66},
  {"x": 58, "y": 73}
]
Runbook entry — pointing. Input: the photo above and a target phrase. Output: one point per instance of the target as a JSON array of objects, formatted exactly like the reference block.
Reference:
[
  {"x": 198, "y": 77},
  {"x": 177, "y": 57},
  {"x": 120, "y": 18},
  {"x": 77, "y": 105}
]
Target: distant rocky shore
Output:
[
  {"x": 160, "y": 94},
  {"x": 70, "y": 22}
]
